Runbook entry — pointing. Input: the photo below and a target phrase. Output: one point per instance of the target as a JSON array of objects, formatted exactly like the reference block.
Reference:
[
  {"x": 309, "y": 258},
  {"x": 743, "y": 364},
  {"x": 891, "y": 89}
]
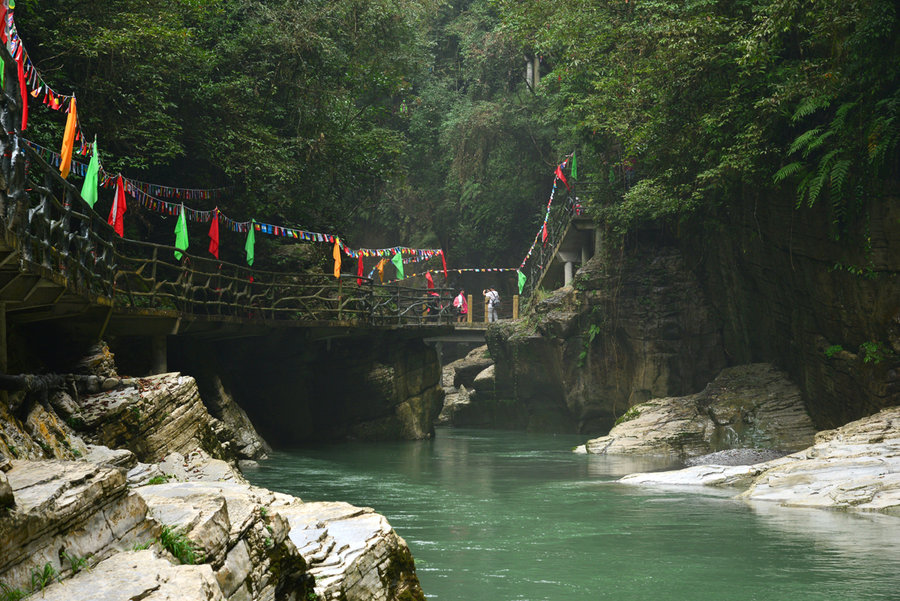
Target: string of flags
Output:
[
  {"x": 138, "y": 189},
  {"x": 558, "y": 175},
  {"x": 542, "y": 233},
  {"x": 151, "y": 196}
]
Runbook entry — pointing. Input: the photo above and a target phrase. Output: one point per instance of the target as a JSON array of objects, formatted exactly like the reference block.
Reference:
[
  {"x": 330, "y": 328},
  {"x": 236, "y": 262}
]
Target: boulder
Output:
[
  {"x": 464, "y": 370},
  {"x": 7, "y": 499},
  {"x": 140, "y": 575},
  {"x": 77, "y": 507},
  {"x": 353, "y": 552},
  {"x": 484, "y": 382},
  {"x": 856, "y": 466},
  {"x": 748, "y": 406},
  {"x": 250, "y": 536},
  {"x": 198, "y": 466},
  {"x": 454, "y": 401}
]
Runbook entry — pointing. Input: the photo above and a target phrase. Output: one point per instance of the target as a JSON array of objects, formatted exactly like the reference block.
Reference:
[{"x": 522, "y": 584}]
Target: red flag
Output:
[
  {"x": 428, "y": 278},
  {"x": 117, "y": 211},
  {"x": 444, "y": 261},
  {"x": 560, "y": 175},
  {"x": 3, "y": 10},
  {"x": 544, "y": 234},
  {"x": 23, "y": 89},
  {"x": 359, "y": 270},
  {"x": 214, "y": 234}
]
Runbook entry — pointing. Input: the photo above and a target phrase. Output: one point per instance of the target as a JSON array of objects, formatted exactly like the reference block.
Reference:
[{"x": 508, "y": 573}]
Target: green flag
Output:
[
  {"x": 89, "y": 189},
  {"x": 574, "y": 171},
  {"x": 251, "y": 241},
  {"x": 397, "y": 260},
  {"x": 521, "y": 281},
  {"x": 181, "y": 234}
]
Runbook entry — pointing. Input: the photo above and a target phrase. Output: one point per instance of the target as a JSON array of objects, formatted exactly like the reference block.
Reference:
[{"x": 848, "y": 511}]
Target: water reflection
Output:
[{"x": 512, "y": 516}]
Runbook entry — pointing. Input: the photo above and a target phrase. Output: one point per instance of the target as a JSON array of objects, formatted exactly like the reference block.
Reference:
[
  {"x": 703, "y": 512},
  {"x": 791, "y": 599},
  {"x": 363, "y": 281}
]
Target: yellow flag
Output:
[
  {"x": 337, "y": 257},
  {"x": 380, "y": 268},
  {"x": 68, "y": 140}
]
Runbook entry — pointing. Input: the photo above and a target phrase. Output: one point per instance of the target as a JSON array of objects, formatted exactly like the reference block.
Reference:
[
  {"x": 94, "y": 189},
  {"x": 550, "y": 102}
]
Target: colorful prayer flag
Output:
[
  {"x": 559, "y": 174},
  {"x": 397, "y": 260},
  {"x": 65, "y": 155},
  {"x": 251, "y": 241},
  {"x": 181, "y": 234},
  {"x": 574, "y": 171},
  {"x": 521, "y": 281},
  {"x": 214, "y": 234},
  {"x": 89, "y": 190},
  {"x": 336, "y": 253},
  {"x": 117, "y": 211}
]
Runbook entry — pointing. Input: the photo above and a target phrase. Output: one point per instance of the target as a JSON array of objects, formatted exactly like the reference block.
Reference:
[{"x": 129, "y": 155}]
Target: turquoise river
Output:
[{"x": 504, "y": 516}]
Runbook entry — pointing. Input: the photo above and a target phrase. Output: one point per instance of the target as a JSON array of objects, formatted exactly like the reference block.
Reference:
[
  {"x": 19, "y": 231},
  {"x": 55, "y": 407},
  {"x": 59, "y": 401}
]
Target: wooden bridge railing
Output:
[{"x": 55, "y": 234}]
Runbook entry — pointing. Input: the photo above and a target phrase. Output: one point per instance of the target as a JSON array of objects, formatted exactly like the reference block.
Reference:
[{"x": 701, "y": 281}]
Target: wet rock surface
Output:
[
  {"x": 856, "y": 466},
  {"x": 736, "y": 457},
  {"x": 748, "y": 406}
]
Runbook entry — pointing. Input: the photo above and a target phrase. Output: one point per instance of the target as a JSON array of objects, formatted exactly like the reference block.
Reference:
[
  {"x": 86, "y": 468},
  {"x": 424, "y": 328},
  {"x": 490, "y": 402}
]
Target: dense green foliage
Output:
[
  {"x": 401, "y": 122},
  {"x": 706, "y": 97}
]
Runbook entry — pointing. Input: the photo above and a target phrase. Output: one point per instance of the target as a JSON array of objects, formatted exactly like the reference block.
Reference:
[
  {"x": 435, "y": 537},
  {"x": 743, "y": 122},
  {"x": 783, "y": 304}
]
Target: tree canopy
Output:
[{"x": 401, "y": 122}]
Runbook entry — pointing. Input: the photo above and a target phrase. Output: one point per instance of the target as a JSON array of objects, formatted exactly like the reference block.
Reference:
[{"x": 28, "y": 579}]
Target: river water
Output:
[{"x": 502, "y": 516}]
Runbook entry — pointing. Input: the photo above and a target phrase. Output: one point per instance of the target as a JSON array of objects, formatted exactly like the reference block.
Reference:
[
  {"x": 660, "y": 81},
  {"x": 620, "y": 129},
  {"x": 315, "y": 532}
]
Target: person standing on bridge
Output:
[
  {"x": 462, "y": 306},
  {"x": 492, "y": 299}
]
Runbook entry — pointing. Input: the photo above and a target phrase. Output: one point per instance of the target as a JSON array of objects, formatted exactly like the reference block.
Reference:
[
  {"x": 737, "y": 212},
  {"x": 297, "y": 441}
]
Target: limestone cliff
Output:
[
  {"x": 760, "y": 281},
  {"x": 631, "y": 329},
  {"x": 81, "y": 520}
]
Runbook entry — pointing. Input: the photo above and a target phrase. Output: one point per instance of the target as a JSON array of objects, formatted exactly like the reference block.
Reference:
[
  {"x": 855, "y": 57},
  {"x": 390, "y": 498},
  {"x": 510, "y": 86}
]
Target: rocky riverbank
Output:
[
  {"x": 115, "y": 489},
  {"x": 744, "y": 407},
  {"x": 856, "y": 466}
]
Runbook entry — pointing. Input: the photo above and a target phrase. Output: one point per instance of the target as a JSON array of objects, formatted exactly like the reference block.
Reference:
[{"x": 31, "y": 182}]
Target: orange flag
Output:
[
  {"x": 68, "y": 141},
  {"x": 337, "y": 257}
]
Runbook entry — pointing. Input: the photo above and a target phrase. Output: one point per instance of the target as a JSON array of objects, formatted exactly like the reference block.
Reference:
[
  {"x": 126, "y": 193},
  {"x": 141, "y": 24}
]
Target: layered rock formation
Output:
[
  {"x": 60, "y": 517},
  {"x": 663, "y": 312},
  {"x": 630, "y": 329},
  {"x": 749, "y": 406},
  {"x": 856, "y": 466},
  {"x": 463, "y": 406}
]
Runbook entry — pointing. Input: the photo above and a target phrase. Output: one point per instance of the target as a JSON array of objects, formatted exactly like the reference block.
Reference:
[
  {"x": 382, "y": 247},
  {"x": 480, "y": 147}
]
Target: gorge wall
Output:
[
  {"x": 757, "y": 282},
  {"x": 826, "y": 310}
]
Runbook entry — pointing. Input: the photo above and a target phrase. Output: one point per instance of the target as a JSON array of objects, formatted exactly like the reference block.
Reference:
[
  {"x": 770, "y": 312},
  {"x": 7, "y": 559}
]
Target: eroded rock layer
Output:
[{"x": 749, "y": 406}]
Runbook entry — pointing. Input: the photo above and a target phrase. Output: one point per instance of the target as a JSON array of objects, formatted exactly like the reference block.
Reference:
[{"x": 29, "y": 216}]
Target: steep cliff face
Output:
[
  {"x": 632, "y": 328},
  {"x": 826, "y": 310},
  {"x": 760, "y": 282}
]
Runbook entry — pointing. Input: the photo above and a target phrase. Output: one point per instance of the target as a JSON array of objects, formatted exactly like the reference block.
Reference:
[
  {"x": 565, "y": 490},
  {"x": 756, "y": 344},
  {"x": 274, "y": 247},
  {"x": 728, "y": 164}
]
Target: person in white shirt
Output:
[{"x": 492, "y": 297}]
